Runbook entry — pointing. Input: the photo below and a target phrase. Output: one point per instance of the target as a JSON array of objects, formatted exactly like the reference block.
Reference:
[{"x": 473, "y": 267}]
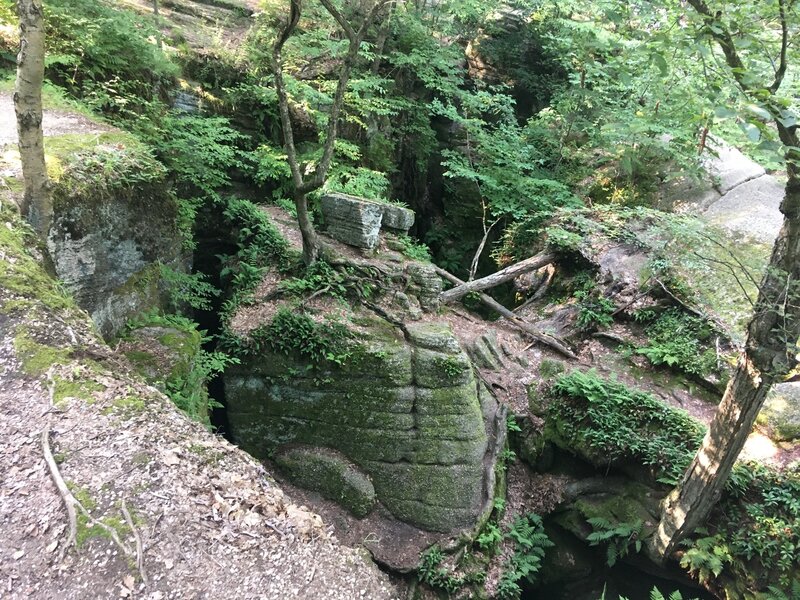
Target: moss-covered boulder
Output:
[
  {"x": 115, "y": 220},
  {"x": 162, "y": 354},
  {"x": 329, "y": 473},
  {"x": 780, "y": 415},
  {"x": 405, "y": 408}
]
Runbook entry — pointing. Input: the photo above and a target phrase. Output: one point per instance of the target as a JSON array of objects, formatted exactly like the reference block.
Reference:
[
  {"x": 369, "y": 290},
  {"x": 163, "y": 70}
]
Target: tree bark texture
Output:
[
  {"x": 37, "y": 204},
  {"x": 767, "y": 357},
  {"x": 495, "y": 279}
]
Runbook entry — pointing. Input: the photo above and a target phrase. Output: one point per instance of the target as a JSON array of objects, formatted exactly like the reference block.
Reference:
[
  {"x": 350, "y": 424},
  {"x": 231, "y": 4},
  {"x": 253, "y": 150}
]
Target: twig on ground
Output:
[{"x": 138, "y": 538}]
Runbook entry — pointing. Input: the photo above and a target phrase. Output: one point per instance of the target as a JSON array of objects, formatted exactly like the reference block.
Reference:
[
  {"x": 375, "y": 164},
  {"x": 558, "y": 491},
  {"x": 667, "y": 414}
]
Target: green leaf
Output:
[{"x": 751, "y": 131}]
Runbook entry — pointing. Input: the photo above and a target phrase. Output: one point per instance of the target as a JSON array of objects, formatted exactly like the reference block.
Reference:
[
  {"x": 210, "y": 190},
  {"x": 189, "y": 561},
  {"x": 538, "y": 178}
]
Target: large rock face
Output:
[
  {"x": 406, "y": 410},
  {"x": 107, "y": 239}
]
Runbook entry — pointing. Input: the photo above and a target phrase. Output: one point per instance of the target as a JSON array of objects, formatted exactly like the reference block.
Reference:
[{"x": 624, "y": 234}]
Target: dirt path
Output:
[{"x": 55, "y": 122}]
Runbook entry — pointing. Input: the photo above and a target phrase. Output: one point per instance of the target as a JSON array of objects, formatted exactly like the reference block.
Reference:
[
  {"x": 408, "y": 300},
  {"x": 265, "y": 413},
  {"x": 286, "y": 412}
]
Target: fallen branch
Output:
[
  {"x": 515, "y": 270},
  {"x": 139, "y": 545},
  {"x": 543, "y": 338},
  {"x": 69, "y": 500}
]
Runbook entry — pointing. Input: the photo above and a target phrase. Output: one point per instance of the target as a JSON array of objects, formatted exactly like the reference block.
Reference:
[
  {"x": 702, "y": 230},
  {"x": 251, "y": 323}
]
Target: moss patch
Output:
[
  {"x": 82, "y": 389},
  {"x": 24, "y": 276},
  {"x": 37, "y": 358}
]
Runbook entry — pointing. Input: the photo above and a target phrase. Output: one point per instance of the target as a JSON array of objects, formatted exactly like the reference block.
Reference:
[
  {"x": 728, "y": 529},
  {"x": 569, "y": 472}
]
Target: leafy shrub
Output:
[
  {"x": 678, "y": 340},
  {"x": 293, "y": 332},
  {"x": 434, "y": 575},
  {"x": 415, "y": 250},
  {"x": 619, "y": 537},
  {"x": 103, "y": 54},
  {"x": 616, "y": 423},
  {"x": 190, "y": 289}
]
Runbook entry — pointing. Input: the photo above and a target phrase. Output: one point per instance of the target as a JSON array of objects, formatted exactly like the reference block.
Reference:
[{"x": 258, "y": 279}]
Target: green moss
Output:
[
  {"x": 141, "y": 361},
  {"x": 331, "y": 475},
  {"x": 80, "y": 163},
  {"x": 37, "y": 358},
  {"x": 22, "y": 275},
  {"x": 82, "y": 389},
  {"x": 126, "y": 407}
]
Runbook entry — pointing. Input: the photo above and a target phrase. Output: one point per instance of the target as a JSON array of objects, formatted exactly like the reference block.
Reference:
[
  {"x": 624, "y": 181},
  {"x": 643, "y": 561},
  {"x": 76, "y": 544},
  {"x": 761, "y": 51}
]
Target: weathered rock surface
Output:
[
  {"x": 106, "y": 246},
  {"x": 750, "y": 209},
  {"x": 358, "y": 221},
  {"x": 730, "y": 168},
  {"x": 330, "y": 473},
  {"x": 780, "y": 415},
  {"x": 405, "y": 408},
  {"x": 352, "y": 220},
  {"x": 397, "y": 218}
]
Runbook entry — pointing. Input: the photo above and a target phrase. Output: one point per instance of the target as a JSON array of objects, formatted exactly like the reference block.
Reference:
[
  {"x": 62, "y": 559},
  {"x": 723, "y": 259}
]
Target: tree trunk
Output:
[
  {"x": 309, "y": 234},
  {"x": 767, "y": 357},
  {"x": 515, "y": 270},
  {"x": 37, "y": 204}
]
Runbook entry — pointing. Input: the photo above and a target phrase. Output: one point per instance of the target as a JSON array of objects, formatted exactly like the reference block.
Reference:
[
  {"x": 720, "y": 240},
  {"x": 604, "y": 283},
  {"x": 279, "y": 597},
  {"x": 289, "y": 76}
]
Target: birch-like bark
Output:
[{"x": 37, "y": 204}]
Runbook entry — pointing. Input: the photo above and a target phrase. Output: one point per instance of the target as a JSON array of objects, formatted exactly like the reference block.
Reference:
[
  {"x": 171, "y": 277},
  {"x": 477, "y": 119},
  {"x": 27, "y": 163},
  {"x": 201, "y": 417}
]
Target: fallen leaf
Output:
[
  {"x": 170, "y": 458},
  {"x": 52, "y": 546},
  {"x": 128, "y": 582}
]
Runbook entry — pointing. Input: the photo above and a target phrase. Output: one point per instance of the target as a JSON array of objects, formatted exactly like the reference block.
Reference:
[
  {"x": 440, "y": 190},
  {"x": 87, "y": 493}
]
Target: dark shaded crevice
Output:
[{"x": 212, "y": 244}]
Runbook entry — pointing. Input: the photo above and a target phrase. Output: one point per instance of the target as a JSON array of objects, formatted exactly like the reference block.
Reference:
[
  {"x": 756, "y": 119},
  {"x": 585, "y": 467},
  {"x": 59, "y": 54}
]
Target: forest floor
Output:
[{"x": 195, "y": 516}]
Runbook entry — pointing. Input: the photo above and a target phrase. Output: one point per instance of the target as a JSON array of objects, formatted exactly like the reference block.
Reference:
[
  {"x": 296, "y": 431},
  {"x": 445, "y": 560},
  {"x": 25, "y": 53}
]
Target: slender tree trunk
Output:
[
  {"x": 311, "y": 244},
  {"x": 767, "y": 357},
  {"x": 37, "y": 204}
]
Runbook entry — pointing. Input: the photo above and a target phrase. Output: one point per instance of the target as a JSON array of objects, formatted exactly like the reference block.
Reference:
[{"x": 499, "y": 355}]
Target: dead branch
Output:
[
  {"x": 541, "y": 290},
  {"x": 542, "y": 338},
  {"x": 515, "y": 270},
  {"x": 139, "y": 546},
  {"x": 66, "y": 496}
]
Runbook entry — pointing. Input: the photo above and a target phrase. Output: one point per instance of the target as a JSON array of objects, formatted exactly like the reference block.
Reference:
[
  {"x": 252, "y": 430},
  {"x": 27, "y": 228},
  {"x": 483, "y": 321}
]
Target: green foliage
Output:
[
  {"x": 316, "y": 279},
  {"x": 260, "y": 246},
  {"x": 190, "y": 394},
  {"x": 188, "y": 390},
  {"x": 188, "y": 289},
  {"x": 618, "y": 537},
  {"x": 100, "y": 170},
  {"x": 761, "y": 524},
  {"x": 102, "y": 54},
  {"x": 294, "y": 332},
  {"x": 678, "y": 340},
  {"x": 615, "y": 423},
  {"x": 489, "y": 538},
  {"x": 707, "y": 557},
  {"x": 434, "y": 575},
  {"x": 530, "y": 544},
  {"x": 199, "y": 151},
  {"x": 414, "y": 250},
  {"x": 594, "y": 310}
]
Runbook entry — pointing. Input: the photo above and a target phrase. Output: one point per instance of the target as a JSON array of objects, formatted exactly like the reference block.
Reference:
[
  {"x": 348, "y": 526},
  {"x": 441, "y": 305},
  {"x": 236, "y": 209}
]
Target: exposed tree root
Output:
[{"x": 73, "y": 505}]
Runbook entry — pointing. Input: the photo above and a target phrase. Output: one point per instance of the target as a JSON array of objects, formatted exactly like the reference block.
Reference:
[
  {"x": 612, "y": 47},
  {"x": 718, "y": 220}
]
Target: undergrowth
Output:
[{"x": 613, "y": 424}]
